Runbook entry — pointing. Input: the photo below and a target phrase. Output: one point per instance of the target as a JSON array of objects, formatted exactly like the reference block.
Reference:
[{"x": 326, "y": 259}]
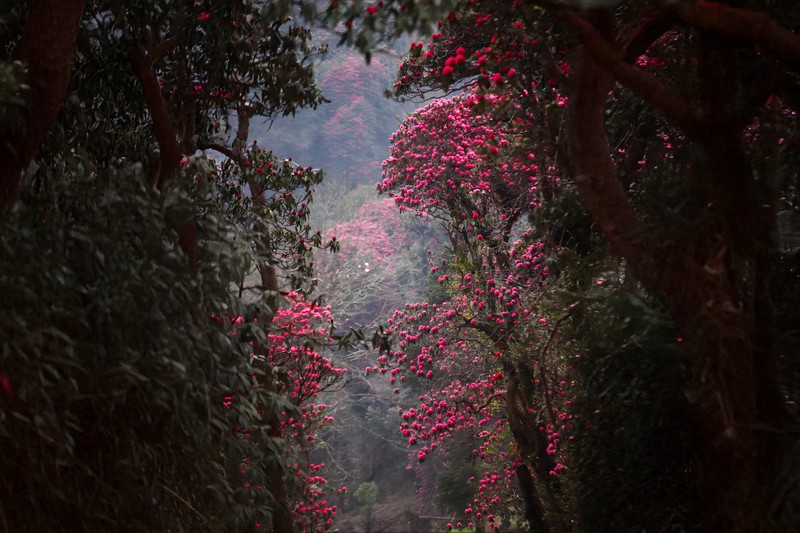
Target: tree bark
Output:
[
  {"x": 748, "y": 25},
  {"x": 165, "y": 130},
  {"x": 695, "y": 278},
  {"x": 282, "y": 512},
  {"x": 47, "y": 49},
  {"x": 542, "y": 509},
  {"x": 167, "y": 136},
  {"x": 534, "y": 511}
]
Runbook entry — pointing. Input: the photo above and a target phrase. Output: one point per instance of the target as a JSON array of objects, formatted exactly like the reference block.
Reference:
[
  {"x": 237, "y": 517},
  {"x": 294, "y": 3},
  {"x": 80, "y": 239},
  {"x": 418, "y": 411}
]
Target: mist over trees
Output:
[{"x": 486, "y": 266}]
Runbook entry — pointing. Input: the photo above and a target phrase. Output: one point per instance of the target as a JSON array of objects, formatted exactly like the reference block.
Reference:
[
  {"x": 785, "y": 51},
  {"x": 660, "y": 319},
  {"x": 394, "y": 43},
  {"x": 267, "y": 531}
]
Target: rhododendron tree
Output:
[
  {"x": 485, "y": 353},
  {"x": 374, "y": 271},
  {"x": 286, "y": 332},
  {"x": 447, "y": 159},
  {"x": 286, "y": 353},
  {"x": 671, "y": 125}
]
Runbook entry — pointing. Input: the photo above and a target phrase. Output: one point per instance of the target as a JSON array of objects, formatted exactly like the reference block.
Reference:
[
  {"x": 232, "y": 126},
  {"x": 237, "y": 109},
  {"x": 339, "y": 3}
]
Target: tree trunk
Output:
[
  {"x": 542, "y": 510},
  {"x": 282, "y": 512},
  {"x": 534, "y": 511},
  {"x": 47, "y": 49},
  {"x": 695, "y": 279},
  {"x": 165, "y": 131}
]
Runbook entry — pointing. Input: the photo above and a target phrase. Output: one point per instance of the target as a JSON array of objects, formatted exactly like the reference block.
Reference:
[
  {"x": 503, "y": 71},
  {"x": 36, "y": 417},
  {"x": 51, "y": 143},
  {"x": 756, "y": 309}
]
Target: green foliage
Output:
[
  {"x": 367, "y": 495},
  {"x": 117, "y": 368},
  {"x": 209, "y": 58},
  {"x": 128, "y": 401},
  {"x": 277, "y": 208},
  {"x": 635, "y": 467},
  {"x": 453, "y": 495}
]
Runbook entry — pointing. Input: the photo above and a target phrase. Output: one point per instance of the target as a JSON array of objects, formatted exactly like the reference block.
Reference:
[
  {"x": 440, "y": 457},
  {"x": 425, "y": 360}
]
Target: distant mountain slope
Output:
[{"x": 348, "y": 137}]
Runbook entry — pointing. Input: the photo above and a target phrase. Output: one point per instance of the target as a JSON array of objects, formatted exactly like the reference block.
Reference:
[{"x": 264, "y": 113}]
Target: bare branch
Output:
[{"x": 223, "y": 149}]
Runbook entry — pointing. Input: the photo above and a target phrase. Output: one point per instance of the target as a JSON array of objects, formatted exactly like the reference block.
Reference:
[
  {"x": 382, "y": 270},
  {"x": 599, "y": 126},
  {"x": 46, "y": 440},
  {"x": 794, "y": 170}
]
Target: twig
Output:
[{"x": 187, "y": 504}]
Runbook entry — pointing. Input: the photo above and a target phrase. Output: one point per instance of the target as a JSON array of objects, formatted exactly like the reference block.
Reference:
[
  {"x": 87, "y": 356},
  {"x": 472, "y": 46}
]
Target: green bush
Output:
[{"x": 116, "y": 368}]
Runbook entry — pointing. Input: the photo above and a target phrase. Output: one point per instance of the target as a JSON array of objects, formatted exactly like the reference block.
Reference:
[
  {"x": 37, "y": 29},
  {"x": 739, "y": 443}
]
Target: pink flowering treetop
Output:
[
  {"x": 375, "y": 270},
  {"x": 446, "y": 158},
  {"x": 483, "y": 356}
]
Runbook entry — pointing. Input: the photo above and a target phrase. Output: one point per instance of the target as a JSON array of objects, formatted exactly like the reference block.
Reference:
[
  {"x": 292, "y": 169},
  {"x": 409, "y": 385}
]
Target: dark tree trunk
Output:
[
  {"x": 696, "y": 277},
  {"x": 47, "y": 49},
  {"x": 542, "y": 509},
  {"x": 534, "y": 511},
  {"x": 165, "y": 131}
]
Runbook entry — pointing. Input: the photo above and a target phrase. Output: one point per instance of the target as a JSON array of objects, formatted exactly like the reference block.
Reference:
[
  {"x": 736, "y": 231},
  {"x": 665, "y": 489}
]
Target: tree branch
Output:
[
  {"x": 142, "y": 63},
  {"x": 161, "y": 49},
  {"x": 643, "y": 36},
  {"x": 598, "y": 185},
  {"x": 165, "y": 131},
  {"x": 664, "y": 97},
  {"x": 742, "y": 24},
  {"x": 235, "y": 152},
  {"x": 224, "y": 149},
  {"x": 170, "y": 152}
]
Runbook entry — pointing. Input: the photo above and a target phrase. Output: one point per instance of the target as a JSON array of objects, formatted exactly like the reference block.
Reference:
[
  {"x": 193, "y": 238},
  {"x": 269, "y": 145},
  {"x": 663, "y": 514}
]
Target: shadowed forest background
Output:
[{"x": 399, "y": 266}]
